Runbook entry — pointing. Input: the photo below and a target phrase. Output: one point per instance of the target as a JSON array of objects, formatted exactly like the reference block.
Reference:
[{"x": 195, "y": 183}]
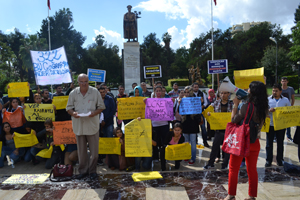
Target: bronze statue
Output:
[
  {"x": 130, "y": 25},
  {"x": 192, "y": 74}
]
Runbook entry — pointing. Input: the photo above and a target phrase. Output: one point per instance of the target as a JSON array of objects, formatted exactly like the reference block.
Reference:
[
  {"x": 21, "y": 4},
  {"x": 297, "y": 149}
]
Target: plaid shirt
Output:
[{"x": 217, "y": 105}]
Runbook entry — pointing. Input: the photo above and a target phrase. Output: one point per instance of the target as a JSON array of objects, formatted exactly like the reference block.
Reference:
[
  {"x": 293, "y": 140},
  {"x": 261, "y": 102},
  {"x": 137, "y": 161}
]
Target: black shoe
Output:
[
  {"x": 268, "y": 164},
  {"x": 206, "y": 145},
  {"x": 209, "y": 167},
  {"x": 100, "y": 162},
  {"x": 280, "y": 164},
  {"x": 35, "y": 162},
  {"x": 93, "y": 176},
  {"x": 81, "y": 176}
]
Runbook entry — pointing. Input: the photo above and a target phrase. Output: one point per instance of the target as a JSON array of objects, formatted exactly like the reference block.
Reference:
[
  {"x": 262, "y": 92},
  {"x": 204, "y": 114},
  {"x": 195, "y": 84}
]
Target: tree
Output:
[
  {"x": 166, "y": 38},
  {"x": 295, "y": 49}
]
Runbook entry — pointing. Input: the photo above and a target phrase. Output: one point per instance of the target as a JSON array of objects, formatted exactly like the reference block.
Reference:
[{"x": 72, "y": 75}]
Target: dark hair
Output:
[
  {"x": 175, "y": 84},
  {"x": 2, "y": 135},
  {"x": 133, "y": 84},
  {"x": 108, "y": 88},
  {"x": 101, "y": 88},
  {"x": 157, "y": 87},
  {"x": 48, "y": 122},
  {"x": 158, "y": 82},
  {"x": 177, "y": 125},
  {"x": 44, "y": 90},
  {"x": 115, "y": 131},
  {"x": 195, "y": 84},
  {"x": 284, "y": 78},
  {"x": 121, "y": 86},
  {"x": 10, "y": 102},
  {"x": 278, "y": 86},
  {"x": 28, "y": 125},
  {"x": 258, "y": 96},
  {"x": 57, "y": 86},
  {"x": 102, "y": 84}
]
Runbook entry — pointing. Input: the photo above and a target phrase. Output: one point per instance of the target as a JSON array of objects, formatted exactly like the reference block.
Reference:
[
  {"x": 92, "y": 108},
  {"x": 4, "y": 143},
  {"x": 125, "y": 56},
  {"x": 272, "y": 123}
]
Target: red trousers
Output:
[{"x": 234, "y": 167}]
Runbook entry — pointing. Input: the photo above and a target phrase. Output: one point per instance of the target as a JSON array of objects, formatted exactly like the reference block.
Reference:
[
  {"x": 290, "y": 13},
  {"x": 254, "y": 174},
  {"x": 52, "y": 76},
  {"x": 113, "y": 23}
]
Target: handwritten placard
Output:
[
  {"x": 242, "y": 78},
  {"x": 266, "y": 126},
  {"x": 218, "y": 121},
  {"x": 51, "y": 67},
  {"x": 18, "y": 89},
  {"x": 15, "y": 119},
  {"x": 63, "y": 133},
  {"x": 60, "y": 102},
  {"x": 190, "y": 106},
  {"x": 285, "y": 117},
  {"x": 178, "y": 152},
  {"x": 209, "y": 109},
  {"x": 138, "y": 138},
  {"x": 131, "y": 108},
  {"x": 109, "y": 146},
  {"x": 25, "y": 140},
  {"x": 159, "y": 109},
  {"x": 16, "y": 179},
  {"x": 143, "y": 176},
  {"x": 45, "y": 153},
  {"x": 39, "y": 112}
]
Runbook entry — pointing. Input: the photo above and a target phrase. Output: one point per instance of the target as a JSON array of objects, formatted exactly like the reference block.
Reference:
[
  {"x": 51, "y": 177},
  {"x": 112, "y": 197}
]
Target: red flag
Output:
[
  {"x": 214, "y": 1},
  {"x": 50, "y": 8}
]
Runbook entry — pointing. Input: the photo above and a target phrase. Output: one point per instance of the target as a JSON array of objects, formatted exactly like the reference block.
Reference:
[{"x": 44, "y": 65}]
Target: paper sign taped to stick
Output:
[
  {"x": 218, "y": 121},
  {"x": 25, "y": 140},
  {"x": 285, "y": 117},
  {"x": 63, "y": 133},
  {"x": 131, "y": 108},
  {"x": 138, "y": 138},
  {"x": 209, "y": 109},
  {"x": 266, "y": 126},
  {"x": 144, "y": 176},
  {"x": 178, "y": 152},
  {"x": 109, "y": 146},
  {"x": 16, "y": 179},
  {"x": 60, "y": 102},
  {"x": 242, "y": 78},
  {"x": 45, "y": 153},
  {"x": 39, "y": 112},
  {"x": 190, "y": 106},
  {"x": 18, "y": 89},
  {"x": 159, "y": 109},
  {"x": 15, "y": 119}
]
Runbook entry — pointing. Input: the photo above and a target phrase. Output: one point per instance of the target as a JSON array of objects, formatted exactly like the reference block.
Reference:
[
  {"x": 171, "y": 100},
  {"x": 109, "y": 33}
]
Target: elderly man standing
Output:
[{"x": 84, "y": 99}]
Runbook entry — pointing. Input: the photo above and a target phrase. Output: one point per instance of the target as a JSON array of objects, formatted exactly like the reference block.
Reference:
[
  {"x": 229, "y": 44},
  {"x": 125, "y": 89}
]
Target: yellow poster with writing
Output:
[
  {"x": 60, "y": 102},
  {"x": 266, "y": 126},
  {"x": 285, "y": 117},
  {"x": 25, "y": 140},
  {"x": 39, "y": 112},
  {"x": 178, "y": 152},
  {"x": 18, "y": 89},
  {"x": 218, "y": 121},
  {"x": 131, "y": 108},
  {"x": 242, "y": 78},
  {"x": 143, "y": 176},
  {"x": 0, "y": 147},
  {"x": 138, "y": 138},
  {"x": 45, "y": 153},
  {"x": 16, "y": 179},
  {"x": 109, "y": 146},
  {"x": 208, "y": 109}
]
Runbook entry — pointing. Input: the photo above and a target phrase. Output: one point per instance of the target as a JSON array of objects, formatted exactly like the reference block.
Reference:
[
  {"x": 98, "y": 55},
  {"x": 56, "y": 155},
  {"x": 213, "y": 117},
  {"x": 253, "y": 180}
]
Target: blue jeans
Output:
[
  {"x": 10, "y": 152},
  {"x": 288, "y": 133},
  {"x": 203, "y": 131},
  {"x": 34, "y": 151},
  {"x": 147, "y": 161},
  {"x": 191, "y": 138},
  {"x": 108, "y": 131}
]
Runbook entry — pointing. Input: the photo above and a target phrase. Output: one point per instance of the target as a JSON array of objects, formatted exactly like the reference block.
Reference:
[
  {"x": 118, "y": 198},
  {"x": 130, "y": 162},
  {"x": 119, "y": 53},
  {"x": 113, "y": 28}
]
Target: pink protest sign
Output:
[{"x": 159, "y": 109}]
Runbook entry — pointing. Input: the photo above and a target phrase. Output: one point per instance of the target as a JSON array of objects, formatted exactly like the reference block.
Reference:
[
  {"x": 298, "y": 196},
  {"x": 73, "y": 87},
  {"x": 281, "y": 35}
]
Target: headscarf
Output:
[
  {"x": 211, "y": 99},
  {"x": 140, "y": 91}
]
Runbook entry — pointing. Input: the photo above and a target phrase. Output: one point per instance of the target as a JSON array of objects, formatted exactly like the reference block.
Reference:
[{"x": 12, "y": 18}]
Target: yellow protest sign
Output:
[
  {"x": 266, "y": 126},
  {"x": 45, "y": 153},
  {"x": 143, "y": 176},
  {"x": 178, "y": 152},
  {"x": 60, "y": 102},
  {"x": 25, "y": 140},
  {"x": 0, "y": 147},
  {"x": 208, "y": 109},
  {"x": 138, "y": 138},
  {"x": 285, "y": 117},
  {"x": 39, "y": 112},
  {"x": 16, "y": 179},
  {"x": 109, "y": 146},
  {"x": 131, "y": 108},
  {"x": 18, "y": 89},
  {"x": 218, "y": 121},
  {"x": 242, "y": 78}
]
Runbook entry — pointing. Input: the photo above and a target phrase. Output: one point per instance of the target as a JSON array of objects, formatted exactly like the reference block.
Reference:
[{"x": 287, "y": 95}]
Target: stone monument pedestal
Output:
[{"x": 131, "y": 61}]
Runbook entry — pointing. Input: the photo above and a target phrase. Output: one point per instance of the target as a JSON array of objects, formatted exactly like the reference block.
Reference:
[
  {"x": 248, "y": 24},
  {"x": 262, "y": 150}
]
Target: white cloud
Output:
[
  {"x": 28, "y": 28},
  {"x": 177, "y": 37},
  {"x": 10, "y": 30}
]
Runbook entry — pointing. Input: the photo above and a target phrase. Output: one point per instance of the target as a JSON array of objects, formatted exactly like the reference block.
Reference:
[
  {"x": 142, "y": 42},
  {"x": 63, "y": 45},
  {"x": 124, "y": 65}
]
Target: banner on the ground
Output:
[
  {"x": 15, "y": 119},
  {"x": 97, "y": 75},
  {"x": 45, "y": 153},
  {"x": 138, "y": 138},
  {"x": 25, "y": 140},
  {"x": 18, "y": 89},
  {"x": 285, "y": 117},
  {"x": 242, "y": 78},
  {"x": 144, "y": 176},
  {"x": 159, "y": 109},
  {"x": 63, "y": 133},
  {"x": 131, "y": 108},
  {"x": 39, "y": 112},
  {"x": 209, "y": 109},
  {"x": 17, "y": 179},
  {"x": 109, "y": 146},
  {"x": 153, "y": 71},
  {"x": 178, "y": 152},
  {"x": 266, "y": 126},
  {"x": 60, "y": 102},
  {"x": 190, "y": 106},
  {"x": 51, "y": 67},
  {"x": 218, "y": 121}
]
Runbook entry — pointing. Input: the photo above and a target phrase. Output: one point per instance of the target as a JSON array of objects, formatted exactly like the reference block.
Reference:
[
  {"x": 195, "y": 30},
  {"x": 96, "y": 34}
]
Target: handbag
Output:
[
  {"x": 237, "y": 137},
  {"x": 61, "y": 173}
]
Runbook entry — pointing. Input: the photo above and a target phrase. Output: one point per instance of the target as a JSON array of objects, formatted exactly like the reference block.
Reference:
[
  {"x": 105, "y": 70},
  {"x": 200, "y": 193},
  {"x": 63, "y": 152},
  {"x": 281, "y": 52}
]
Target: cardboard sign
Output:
[
  {"x": 109, "y": 146},
  {"x": 159, "y": 109},
  {"x": 285, "y": 117},
  {"x": 97, "y": 75},
  {"x": 131, "y": 108},
  {"x": 152, "y": 71},
  {"x": 209, "y": 109},
  {"x": 218, "y": 121},
  {"x": 144, "y": 176},
  {"x": 190, "y": 106},
  {"x": 25, "y": 140},
  {"x": 138, "y": 138},
  {"x": 16, "y": 179},
  {"x": 266, "y": 126},
  {"x": 15, "y": 119},
  {"x": 63, "y": 133},
  {"x": 39, "y": 112},
  {"x": 18, "y": 89},
  {"x": 179, "y": 151},
  {"x": 45, "y": 153},
  {"x": 60, "y": 102},
  {"x": 242, "y": 78},
  {"x": 217, "y": 66}
]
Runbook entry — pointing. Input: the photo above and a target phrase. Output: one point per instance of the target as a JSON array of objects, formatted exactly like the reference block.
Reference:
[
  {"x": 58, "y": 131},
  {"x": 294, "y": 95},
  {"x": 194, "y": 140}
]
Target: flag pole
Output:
[
  {"x": 49, "y": 35},
  {"x": 212, "y": 40}
]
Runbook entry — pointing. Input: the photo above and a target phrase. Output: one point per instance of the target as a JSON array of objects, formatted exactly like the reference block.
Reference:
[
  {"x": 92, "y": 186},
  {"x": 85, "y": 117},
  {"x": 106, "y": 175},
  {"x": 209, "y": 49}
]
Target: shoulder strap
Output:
[{"x": 246, "y": 116}]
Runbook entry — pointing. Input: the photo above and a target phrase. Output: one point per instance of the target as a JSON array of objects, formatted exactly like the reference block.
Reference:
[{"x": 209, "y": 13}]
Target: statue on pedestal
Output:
[{"x": 130, "y": 25}]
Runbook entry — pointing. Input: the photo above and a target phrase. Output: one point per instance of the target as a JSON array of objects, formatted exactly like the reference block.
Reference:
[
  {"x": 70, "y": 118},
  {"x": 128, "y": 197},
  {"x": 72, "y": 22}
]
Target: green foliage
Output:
[
  {"x": 293, "y": 81},
  {"x": 168, "y": 89},
  {"x": 295, "y": 49},
  {"x": 180, "y": 82}
]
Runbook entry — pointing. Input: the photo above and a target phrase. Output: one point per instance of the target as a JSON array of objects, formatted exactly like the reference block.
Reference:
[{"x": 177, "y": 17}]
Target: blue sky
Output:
[{"x": 183, "y": 19}]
